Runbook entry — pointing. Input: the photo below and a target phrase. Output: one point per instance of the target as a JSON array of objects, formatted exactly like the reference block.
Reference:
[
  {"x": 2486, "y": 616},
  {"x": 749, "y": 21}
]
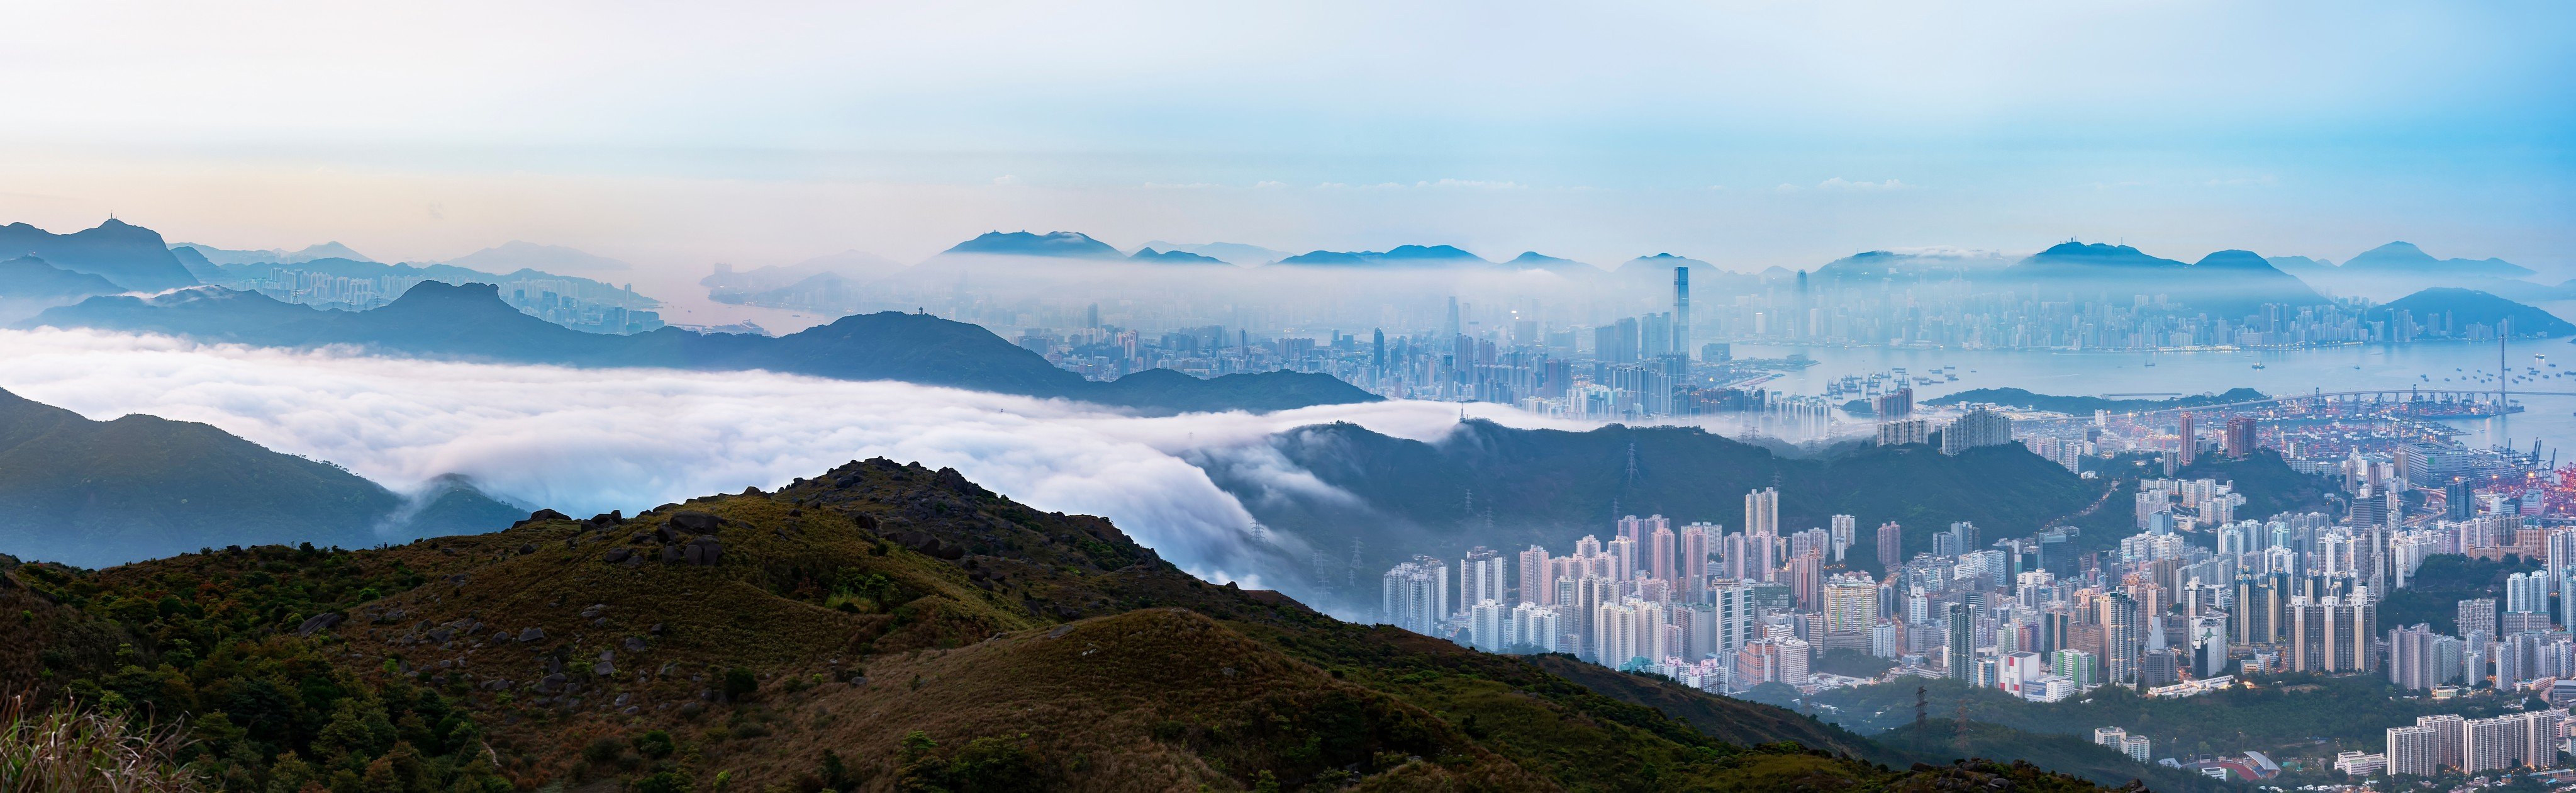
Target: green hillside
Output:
[
  {"x": 99, "y": 492},
  {"x": 881, "y": 627}
]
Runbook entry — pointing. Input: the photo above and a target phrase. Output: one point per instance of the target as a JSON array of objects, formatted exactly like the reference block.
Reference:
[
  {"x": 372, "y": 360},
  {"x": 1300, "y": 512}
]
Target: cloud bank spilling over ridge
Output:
[{"x": 592, "y": 440}]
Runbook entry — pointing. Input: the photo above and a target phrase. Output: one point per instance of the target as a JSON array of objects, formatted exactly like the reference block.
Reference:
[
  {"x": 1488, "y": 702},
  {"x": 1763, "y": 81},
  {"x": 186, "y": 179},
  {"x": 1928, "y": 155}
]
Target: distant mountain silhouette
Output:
[
  {"x": 1151, "y": 256},
  {"x": 1053, "y": 244},
  {"x": 2227, "y": 283},
  {"x": 29, "y": 285},
  {"x": 2465, "y": 306},
  {"x": 1657, "y": 272},
  {"x": 1533, "y": 260},
  {"x": 94, "y": 493},
  {"x": 2301, "y": 266},
  {"x": 517, "y": 255},
  {"x": 1399, "y": 256},
  {"x": 1869, "y": 267},
  {"x": 852, "y": 265},
  {"x": 444, "y": 273},
  {"x": 214, "y": 255},
  {"x": 132, "y": 256},
  {"x": 2404, "y": 259},
  {"x": 470, "y": 322},
  {"x": 28, "y": 277},
  {"x": 1231, "y": 252},
  {"x": 1863, "y": 266}
]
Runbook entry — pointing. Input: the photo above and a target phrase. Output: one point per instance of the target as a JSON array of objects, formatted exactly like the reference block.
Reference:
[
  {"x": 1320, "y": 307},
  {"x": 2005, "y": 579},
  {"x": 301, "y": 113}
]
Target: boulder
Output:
[
  {"x": 634, "y": 644},
  {"x": 542, "y": 514},
  {"x": 704, "y": 551},
  {"x": 532, "y": 634},
  {"x": 616, "y": 555},
  {"x": 603, "y": 669},
  {"x": 671, "y": 554},
  {"x": 696, "y": 522},
  {"x": 319, "y": 622}
]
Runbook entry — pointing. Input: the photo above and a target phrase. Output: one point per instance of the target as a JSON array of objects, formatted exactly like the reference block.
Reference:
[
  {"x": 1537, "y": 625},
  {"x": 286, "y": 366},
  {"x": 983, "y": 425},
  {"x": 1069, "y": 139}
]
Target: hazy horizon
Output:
[{"x": 1747, "y": 137}]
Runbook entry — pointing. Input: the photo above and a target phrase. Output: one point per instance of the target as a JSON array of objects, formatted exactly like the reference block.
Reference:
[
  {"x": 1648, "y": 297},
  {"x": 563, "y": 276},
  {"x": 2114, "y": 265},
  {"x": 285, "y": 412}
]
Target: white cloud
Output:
[{"x": 591, "y": 440}]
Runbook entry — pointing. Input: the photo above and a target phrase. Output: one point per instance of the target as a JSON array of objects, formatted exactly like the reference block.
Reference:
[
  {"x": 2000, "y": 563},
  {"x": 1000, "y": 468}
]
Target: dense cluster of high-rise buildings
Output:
[
  {"x": 576, "y": 303},
  {"x": 2198, "y": 593}
]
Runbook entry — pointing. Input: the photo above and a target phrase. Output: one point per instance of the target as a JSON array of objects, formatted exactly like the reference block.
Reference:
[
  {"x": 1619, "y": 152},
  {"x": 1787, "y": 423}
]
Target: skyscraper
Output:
[
  {"x": 1844, "y": 526},
  {"x": 1851, "y": 603},
  {"x": 2410, "y": 750},
  {"x": 1897, "y": 405},
  {"x": 2240, "y": 436},
  {"x": 1416, "y": 595},
  {"x": 1762, "y": 511},
  {"x": 1481, "y": 577},
  {"x": 1761, "y": 532},
  {"x": 1681, "y": 311},
  {"x": 1535, "y": 577},
  {"x": 2187, "y": 446},
  {"x": 1957, "y": 655},
  {"x": 1891, "y": 541},
  {"x": 1660, "y": 550},
  {"x": 1698, "y": 540},
  {"x": 2478, "y": 615}
]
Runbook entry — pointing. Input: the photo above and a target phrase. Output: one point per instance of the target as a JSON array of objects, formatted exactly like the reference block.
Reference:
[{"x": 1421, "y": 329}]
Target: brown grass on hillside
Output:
[
  {"x": 1158, "y": 699},
  {"x": 66, "y": 751}
]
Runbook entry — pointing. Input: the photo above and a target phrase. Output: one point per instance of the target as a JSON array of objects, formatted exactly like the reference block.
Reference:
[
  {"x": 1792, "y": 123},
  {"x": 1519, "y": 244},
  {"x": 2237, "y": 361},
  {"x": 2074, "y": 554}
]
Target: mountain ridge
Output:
[
  {"x": 131, "y": 256},
  {"x": 470, "y": 322},
  {"x": 93, "y": 492},
  {"x": 880, "y": 625}
]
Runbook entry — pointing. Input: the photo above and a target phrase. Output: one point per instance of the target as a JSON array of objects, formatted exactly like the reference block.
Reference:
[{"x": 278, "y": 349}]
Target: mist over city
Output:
[{"x": 1153, "y": 396}]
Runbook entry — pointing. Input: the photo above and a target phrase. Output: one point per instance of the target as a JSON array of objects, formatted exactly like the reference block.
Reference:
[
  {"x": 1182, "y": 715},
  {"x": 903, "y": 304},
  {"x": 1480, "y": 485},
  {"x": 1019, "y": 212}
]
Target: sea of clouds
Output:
[{"x": 591, "y": 440}]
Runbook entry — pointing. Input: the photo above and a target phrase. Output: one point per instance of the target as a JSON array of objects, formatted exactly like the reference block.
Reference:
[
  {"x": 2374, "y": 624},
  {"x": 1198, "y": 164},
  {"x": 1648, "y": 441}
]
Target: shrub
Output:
[
  {"x": 656, "y": 744},
  {"x": 664, "y": 782},
  {"x": 740, "y": 682}
]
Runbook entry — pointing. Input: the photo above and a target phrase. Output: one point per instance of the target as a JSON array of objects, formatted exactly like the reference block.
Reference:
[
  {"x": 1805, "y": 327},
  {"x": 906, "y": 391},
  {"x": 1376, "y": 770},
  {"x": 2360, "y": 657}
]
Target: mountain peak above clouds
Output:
[
  {"x": 1398, "y": 256},
  {"x": 1053, "y": 244},
  {"x": 2404, "y": 258},
  {"x": 1533, "y": 260},
  {"x": 1235, "y": 253},
  {"x": 1148, "y": 254},
  {"x": 132, "y": 256}
]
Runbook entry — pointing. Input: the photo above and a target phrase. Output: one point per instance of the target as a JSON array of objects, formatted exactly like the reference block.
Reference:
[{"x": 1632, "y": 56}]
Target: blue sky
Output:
[{"x": 1756, "y": 134}]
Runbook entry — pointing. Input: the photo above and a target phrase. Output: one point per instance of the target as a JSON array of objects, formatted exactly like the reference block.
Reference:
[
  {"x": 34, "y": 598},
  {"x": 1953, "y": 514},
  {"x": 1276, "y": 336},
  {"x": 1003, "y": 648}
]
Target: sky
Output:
[{"x": 677, "y": 135}]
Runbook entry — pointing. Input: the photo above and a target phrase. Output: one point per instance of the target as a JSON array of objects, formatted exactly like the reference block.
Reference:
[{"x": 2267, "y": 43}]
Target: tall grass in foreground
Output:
[{"x": 67, "y": 751}]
